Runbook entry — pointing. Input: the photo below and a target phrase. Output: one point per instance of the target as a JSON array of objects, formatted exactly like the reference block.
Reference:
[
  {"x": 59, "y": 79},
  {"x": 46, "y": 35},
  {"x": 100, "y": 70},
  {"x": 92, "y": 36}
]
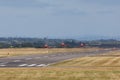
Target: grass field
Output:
[
  {"x": 25, "y": 51},
  {"x": 105, "y": 67},
  {"x": 111, "y": 59},
  {"x": 60, "y": 73}
]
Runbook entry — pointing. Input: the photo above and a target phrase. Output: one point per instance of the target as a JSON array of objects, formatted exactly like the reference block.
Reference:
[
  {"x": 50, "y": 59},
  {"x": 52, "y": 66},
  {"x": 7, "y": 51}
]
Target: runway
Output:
[{"x": 43, "y": 60}]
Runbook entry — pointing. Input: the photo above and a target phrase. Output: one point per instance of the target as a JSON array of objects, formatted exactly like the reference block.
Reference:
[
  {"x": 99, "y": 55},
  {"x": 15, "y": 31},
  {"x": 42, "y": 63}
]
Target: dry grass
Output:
[
  {"x": 113, "y": 53},
  {"x": 25, "y": 51},
  {"x": 105, "y": 60},
  {"x": 59, "y": 74},
  {"x": 92, "y": 62},
  {"x": 86, "y": 68}
]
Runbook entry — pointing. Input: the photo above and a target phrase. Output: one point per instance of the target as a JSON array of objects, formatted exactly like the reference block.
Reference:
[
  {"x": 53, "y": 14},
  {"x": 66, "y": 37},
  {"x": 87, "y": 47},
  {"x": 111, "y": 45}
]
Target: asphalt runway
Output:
[{"x": 43, "y": 60}]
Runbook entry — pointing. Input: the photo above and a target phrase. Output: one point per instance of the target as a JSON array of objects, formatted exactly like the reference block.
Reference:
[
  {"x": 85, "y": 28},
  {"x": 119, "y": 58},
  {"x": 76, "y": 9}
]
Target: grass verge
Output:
[{"x": 26, "y": 51}]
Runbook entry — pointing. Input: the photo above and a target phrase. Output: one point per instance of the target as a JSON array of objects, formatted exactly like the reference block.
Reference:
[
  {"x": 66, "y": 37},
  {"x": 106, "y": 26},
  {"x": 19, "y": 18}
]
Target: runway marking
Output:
[
  {"x": 23, "y": 65},
  {"x": 31, "y": 65},
  {"x": 28, "y": 58},
  {"x": 28, "y": 65},
  {"x": 16, "y": 60},
  {"x": 42, "y": 65},
  {"x": 2, "y": 65}
]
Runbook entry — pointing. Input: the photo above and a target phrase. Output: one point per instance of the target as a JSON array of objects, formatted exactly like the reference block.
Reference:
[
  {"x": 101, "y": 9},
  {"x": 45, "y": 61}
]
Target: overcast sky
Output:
[{"x": 59, "y": 18}]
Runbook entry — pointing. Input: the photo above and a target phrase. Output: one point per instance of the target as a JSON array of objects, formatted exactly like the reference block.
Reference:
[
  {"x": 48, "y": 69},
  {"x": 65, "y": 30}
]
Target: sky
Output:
[{"x": 59, "y": 18}]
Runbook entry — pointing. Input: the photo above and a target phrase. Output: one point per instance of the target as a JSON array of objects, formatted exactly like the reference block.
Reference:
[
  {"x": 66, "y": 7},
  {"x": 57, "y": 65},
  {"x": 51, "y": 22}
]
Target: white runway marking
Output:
[
  {"x": 23, "y": 65},
  {"x": 2, "y": 65},
  {"x": 42, "y": 65},
  {"x": 32, "y": 65},
  {"x": 16, "y": 60}
]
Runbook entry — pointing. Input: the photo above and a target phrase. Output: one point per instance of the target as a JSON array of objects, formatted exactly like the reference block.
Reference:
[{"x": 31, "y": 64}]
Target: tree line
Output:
[
  {"x": 55, "y": 43},
  {"x": 38, "y": 43}
]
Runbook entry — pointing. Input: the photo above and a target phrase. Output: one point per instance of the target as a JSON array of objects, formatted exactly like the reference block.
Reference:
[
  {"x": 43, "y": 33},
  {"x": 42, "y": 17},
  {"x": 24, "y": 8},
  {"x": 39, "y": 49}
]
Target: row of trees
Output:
[
  {"x": 39, "y": 43},
  {"x": 55, "y": 43}
]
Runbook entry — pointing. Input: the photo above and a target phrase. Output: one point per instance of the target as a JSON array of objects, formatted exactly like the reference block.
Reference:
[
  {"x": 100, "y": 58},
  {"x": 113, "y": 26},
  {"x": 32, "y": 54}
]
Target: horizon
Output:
[{"x": 83, "y": 38}]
